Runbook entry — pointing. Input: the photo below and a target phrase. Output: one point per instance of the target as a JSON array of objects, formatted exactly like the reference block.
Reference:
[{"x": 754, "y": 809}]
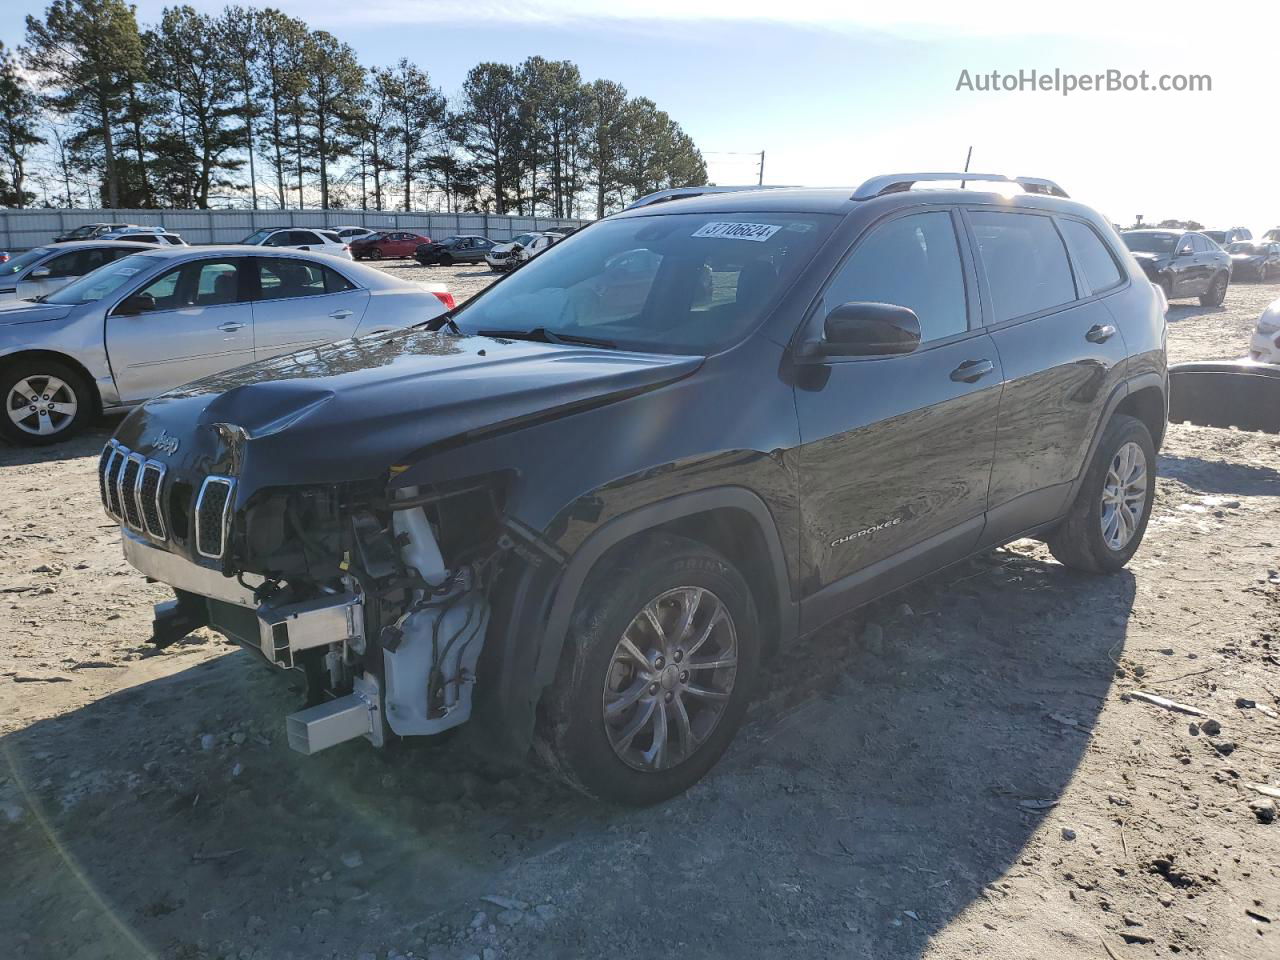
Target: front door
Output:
[
  {"x": 197, "y": 322},
  {"x": 896, "y": 451},
  {"x": 301, "y": 303}
]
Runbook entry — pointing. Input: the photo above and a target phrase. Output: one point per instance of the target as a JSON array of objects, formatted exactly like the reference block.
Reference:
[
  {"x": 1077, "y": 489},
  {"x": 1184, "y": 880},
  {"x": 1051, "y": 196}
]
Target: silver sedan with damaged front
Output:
[{"x": 142, "y": 325}]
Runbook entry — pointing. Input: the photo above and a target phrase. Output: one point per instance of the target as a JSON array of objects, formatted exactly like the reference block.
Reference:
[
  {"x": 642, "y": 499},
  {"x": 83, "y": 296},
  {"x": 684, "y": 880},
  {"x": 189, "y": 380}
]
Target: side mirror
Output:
[
  {"x": 40, "y": 273},
  {"x": 864, "y": 329},
  {"x": 136, "y": 304},
  {"x": 1184, "y": 252}
]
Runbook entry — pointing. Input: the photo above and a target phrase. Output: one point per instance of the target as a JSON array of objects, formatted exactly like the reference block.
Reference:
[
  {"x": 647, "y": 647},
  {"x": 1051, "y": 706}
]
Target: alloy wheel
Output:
[
  {"x": 670, "y": 679},
  {"x": 1124, "y": 496},
  {"x": 41, "y": 405}
]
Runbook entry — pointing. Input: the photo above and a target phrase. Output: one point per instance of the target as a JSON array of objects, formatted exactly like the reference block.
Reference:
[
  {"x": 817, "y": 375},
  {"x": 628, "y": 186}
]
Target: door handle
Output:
[
  {"x": 972, "y": 371},
  {"x": 230, "y": 326},
  {"x": 1100, "y": 333},
  {"x": 340, "y": 314}
]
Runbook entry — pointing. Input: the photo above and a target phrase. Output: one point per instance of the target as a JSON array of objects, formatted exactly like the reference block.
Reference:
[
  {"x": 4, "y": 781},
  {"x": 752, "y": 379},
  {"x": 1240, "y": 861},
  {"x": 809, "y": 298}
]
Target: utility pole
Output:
[{"x": 760, "y": 179}]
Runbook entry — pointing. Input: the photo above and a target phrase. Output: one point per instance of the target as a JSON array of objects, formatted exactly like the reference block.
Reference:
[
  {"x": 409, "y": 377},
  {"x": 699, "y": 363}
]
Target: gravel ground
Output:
[{"x": 960, "y": 770}]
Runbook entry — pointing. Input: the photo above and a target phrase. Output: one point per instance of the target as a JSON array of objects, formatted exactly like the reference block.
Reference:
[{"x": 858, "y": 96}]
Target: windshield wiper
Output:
[
  {"x": 543, "y": 335},
  {"x": 39, "y": 299}
]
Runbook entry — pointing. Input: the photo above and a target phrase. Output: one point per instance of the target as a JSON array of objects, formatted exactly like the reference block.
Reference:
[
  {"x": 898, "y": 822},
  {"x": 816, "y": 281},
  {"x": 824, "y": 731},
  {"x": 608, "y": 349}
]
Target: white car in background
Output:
[
  {"x": 349, "y": 233},
  {"x": 147, "y": 235},
  {"x": 42, "y": 270},
  {"x": 300, "y": 238},
  {"x": 1265, "y": 345},
  {"x": 150, "y": 322},
  {"x": 521, "y": 249}
]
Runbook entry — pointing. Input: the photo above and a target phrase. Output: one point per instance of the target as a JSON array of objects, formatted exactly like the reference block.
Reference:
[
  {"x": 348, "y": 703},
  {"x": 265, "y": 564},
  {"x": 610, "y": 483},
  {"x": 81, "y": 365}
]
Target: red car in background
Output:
[{"x": 390, "y": 244}]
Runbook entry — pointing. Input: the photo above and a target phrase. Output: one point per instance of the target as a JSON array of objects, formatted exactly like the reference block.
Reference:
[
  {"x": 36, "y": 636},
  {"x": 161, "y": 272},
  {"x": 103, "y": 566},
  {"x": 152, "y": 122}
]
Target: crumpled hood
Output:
[
  {"x": 349, "y": 410},
  {"x": 24, "y": 311}
]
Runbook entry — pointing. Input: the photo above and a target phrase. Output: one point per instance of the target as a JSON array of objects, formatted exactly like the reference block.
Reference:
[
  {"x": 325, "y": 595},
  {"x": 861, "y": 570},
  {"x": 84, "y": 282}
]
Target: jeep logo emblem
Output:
[{"x": 165, "y": 443}]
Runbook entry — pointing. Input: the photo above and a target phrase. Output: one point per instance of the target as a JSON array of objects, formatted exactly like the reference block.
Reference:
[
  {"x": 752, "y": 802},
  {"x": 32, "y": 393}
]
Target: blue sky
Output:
[{"x": 836, "y": 95}]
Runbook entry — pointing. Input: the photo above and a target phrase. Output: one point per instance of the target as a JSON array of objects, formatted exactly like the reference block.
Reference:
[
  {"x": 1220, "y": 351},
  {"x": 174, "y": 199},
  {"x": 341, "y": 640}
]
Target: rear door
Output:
[
  {"x": 200, "y": 323},
  {"x": 896, "y": 451},
  {"x": 1061, "y": 351},
  {"x": 300, "y": 303}
]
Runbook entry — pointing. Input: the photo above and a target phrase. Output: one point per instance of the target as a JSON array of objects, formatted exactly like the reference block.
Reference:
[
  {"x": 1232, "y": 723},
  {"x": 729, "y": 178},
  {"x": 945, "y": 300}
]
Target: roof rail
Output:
[
  {"x": 680, "y": 193},
  {"x": 899, "y": 182}
]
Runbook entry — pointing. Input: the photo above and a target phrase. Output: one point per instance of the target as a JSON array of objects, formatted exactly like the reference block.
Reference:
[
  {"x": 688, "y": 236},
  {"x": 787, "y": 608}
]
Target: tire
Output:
[
  {"x": 593, "y": 753},
  {"x": 1081, "y": 542},
  {"x": 1167, "y": 286},
  {"x": 1216, "y": 293},
  {"x": 375, "y": 254},
  {"x": 66, "y": 398}
]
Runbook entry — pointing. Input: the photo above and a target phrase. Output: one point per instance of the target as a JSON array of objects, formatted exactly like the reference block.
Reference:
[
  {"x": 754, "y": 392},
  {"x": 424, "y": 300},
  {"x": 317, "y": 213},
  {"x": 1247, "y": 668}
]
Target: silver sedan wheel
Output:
[
  {"x": 1124, "y": 496},
  {"x": 670, "y": 678},
  {"x": 41, "y": 405}
]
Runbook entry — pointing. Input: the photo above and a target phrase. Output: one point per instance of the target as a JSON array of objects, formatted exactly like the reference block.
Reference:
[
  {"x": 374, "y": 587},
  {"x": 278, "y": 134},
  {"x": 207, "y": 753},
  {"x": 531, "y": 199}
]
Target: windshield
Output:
[
  {"x": 258, "y": 236},
  {"x": 1149, "y": 242},
  {"x": 22, "y": 261},
  {"x": 101, "y": 282},
  {"x": 670, "y": 283},
  {"x": 1241, "y": 246},
  {"x": 524, "y": 239},
  {"x": 84, "y": 231},
  {"x": 1217, "y": 236}
]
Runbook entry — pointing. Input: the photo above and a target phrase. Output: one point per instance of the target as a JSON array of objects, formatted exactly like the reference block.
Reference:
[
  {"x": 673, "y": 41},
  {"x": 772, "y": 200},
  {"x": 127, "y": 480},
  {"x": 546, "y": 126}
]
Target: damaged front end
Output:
[{"x": 377, "y": 595}]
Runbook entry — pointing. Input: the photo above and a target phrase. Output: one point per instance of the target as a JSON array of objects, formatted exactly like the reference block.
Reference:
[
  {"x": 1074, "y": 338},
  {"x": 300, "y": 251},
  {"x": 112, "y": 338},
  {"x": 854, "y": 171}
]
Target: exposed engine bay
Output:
[{"x": 380, "y": 599}]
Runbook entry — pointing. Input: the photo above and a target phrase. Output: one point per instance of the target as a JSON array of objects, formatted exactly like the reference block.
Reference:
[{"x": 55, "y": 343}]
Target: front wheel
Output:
[
  {"x": 1108, "y": 518},
  {"x": 44, "y": 402},
  {"x": 1216, "y": 293},
  {"x": 446, "y": 260},
  {"x": 656, "y": 674}
]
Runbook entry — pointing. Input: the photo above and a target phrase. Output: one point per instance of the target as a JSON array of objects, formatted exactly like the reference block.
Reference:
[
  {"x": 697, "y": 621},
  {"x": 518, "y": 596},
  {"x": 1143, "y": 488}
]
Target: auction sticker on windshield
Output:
[{"x": 758, "y": 232}]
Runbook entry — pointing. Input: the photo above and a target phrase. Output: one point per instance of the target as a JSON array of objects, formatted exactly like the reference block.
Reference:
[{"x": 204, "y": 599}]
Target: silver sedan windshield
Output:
[{"x": 102, "y": 282}]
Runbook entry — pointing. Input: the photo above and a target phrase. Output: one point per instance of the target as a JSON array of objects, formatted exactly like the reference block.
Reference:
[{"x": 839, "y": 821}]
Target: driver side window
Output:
[{"x": 914, "y": 262}]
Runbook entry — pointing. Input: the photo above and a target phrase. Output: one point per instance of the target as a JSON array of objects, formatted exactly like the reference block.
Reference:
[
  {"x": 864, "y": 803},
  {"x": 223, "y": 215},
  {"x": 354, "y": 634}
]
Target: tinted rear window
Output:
[
  {"x": 1025, "y": 262},
  {"x": 1091, "y": 256}
]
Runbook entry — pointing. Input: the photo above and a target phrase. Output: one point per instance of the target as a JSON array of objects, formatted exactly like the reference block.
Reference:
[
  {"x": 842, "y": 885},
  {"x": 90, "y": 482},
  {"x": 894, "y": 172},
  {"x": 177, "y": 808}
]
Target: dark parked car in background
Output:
[
  {"x": 1254, "y": 260},
  {"x": 90, "y": 231},
  {"x": 535, "y": 507},
  {"x": 389, "y": 245},
  {"x": 468, "y": 249},
  {"x": 1181, "y": 263},
  {"x": 1223, "y": 237}
]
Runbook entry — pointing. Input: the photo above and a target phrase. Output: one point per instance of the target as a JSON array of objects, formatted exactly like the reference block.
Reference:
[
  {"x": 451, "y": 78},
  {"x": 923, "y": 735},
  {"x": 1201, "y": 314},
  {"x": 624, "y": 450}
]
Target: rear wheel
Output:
[
  {"x": 656, "y": 674},
  {"x": 1216, "y": 293},
  {"x": 375, "y": 254},
  {"x": 1107, "y": 521},
  {"x": 44, "y": 402},
  {"x": 1167, "y": 286}
]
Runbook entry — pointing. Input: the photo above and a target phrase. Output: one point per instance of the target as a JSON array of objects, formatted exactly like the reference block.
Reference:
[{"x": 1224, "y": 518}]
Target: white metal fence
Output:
[{"x": 23, "y": 229}]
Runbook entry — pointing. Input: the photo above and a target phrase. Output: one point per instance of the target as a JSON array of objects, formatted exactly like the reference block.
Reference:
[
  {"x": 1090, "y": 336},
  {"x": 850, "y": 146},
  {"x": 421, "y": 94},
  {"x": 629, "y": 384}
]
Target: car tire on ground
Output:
[
  {"x": 656, "y": 673},
  {"x": 1216, "y": 293},
  {"x": 1167, "y": 287},
  {"x": 375, "y": 254},
  {"x": 1105, "y": 524},
  {"x": 45, "y": 401},
  {"x": 445, "y": 260}
]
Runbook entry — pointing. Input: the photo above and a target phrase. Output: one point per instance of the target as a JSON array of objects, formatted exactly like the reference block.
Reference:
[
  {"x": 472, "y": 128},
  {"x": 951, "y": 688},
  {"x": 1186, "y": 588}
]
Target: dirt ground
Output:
[{"x": 958, "y": 771}]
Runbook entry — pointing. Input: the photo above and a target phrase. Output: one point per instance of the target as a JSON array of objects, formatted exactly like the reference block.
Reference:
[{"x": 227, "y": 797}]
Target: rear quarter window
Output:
[
  {"x": 1092, "y": 257},
  {"x": 1024, "y": 261}
]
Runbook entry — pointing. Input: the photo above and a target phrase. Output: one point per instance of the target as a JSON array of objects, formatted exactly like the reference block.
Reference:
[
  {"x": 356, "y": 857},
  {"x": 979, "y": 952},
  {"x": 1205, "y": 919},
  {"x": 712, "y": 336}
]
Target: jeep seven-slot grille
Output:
[
  {"x": 132, "y": 489},
  {"x": 211, "y": 516}
]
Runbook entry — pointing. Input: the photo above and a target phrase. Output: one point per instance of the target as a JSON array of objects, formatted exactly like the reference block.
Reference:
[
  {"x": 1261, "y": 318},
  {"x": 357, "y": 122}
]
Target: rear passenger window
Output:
[
  {"x": 914, "y": 262},
  {"x": 1090, "y": 253},
  {"x": 1025, "y": 263}
]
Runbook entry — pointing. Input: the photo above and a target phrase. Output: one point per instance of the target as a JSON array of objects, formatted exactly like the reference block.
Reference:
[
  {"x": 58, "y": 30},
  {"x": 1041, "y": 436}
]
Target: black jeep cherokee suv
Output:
[{"x": 582, "y": 511}]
